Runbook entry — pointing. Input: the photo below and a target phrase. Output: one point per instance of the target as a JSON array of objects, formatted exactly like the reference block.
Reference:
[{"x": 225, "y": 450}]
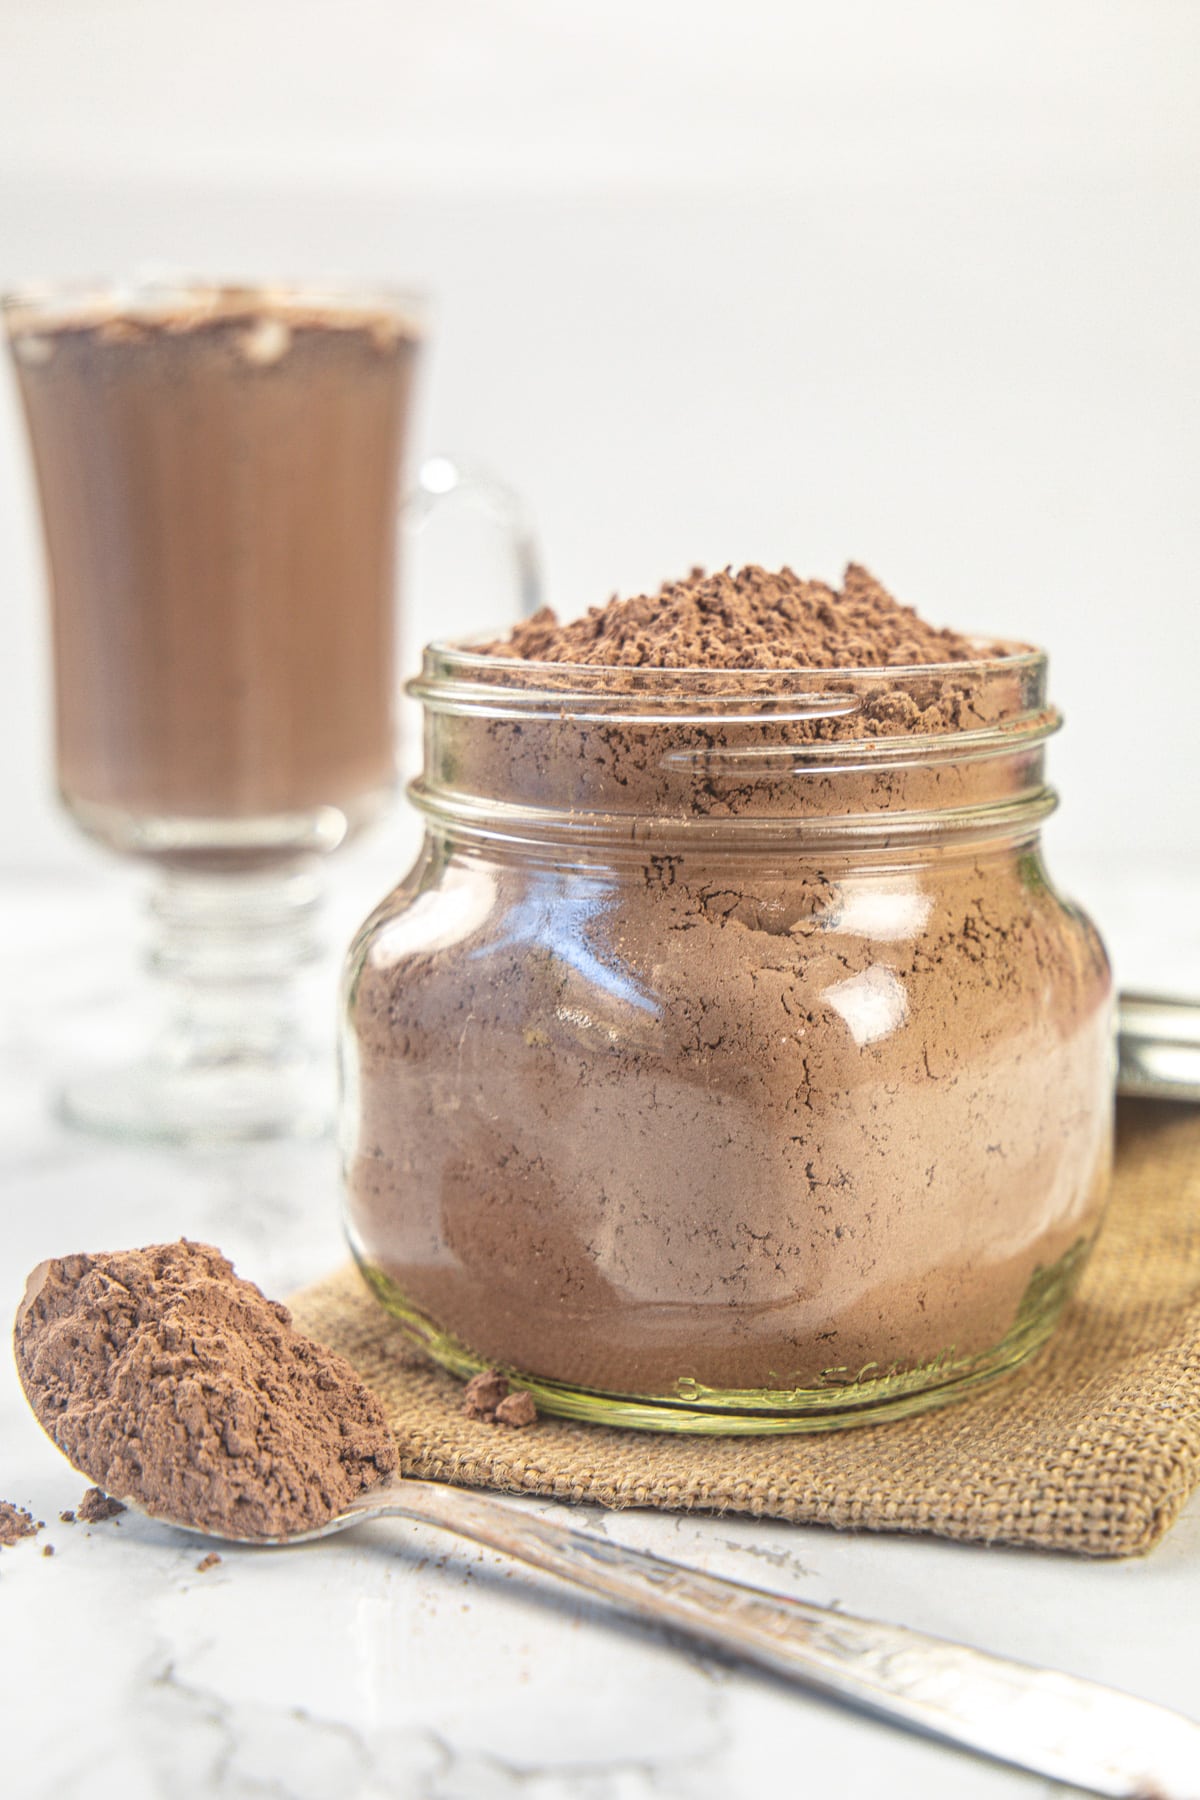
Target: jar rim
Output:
[
  {"x": 463, "y": 679},
  {"x": 701, "y": 754},
  {"x": 996, "y": 656}
]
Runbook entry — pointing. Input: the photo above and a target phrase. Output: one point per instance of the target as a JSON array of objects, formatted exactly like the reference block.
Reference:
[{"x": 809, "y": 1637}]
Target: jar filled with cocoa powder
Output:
[{"x": 728, "y": 1063}]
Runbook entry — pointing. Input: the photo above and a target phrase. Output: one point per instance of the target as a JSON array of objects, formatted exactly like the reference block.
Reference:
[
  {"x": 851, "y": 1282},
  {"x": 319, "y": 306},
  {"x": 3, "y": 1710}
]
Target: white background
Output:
[{"x": 914, "y": 284}]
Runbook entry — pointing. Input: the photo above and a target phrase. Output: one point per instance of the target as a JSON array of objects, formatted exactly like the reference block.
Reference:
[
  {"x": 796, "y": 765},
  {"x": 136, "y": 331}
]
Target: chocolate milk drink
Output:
[{"x": 219, "y": 477}]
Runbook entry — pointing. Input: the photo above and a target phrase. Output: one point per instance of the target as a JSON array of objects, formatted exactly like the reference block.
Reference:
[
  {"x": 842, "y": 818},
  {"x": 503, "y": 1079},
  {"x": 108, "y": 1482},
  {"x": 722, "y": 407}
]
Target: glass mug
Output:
[{"x": 218, "y": 470}]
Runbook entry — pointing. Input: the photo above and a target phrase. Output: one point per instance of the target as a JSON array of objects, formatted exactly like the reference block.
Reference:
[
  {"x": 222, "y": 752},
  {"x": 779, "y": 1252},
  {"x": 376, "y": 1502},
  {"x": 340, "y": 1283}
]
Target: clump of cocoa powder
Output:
[
  {"x": 754, "y": 619},
  {"x": 169, "y": 1380},
  {"x": 97, "y": 1506},
  {"x": 15, "y": 1524},
  {"x": 487, "y": 1397}
]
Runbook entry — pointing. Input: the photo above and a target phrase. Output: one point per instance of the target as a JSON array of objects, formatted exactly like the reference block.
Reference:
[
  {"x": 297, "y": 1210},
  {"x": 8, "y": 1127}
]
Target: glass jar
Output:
[{"x": 727, "y": 1062}]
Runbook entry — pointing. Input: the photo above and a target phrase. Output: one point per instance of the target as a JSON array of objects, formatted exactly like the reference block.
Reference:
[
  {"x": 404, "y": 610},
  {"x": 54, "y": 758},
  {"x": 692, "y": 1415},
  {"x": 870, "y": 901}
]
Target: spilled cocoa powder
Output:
[
  {"x": 487, "y": 1397},
  {"x": 517, "y": 1409},
  {"x": 97, "y": 1507},
  {"x": 170, "y": 1381},
  {"x": 711, "y": 1107},
  {"x": 15, "y": 1524},
  {"x": 483, "y": 1394}
]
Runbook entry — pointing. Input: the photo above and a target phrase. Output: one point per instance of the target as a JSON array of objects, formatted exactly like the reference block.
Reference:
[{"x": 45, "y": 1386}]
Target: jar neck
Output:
[{"x": 663, "y": 761}]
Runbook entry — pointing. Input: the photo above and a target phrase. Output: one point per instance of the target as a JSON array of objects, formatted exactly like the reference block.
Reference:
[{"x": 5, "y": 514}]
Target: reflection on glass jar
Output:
[{"x": 727, "y": 1062}]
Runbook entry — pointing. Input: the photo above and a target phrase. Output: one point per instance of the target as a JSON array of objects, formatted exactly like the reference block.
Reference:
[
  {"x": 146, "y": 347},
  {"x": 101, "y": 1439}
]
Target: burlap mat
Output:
[{"x": 1092, "y": 1448}]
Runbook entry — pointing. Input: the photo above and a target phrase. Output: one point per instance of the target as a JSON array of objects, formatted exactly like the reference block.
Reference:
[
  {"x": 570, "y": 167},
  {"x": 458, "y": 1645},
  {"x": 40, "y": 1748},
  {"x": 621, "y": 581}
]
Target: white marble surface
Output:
[{"x": 396, "y": 1663}]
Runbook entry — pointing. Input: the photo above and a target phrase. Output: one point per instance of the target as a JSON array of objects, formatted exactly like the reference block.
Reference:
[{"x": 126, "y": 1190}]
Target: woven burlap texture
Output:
[{"x": 1093, "y": 1448}]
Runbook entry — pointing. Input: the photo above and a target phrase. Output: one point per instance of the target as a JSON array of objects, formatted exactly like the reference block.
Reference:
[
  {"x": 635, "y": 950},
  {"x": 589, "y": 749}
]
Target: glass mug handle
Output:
[{"x": 445, "y": 487}]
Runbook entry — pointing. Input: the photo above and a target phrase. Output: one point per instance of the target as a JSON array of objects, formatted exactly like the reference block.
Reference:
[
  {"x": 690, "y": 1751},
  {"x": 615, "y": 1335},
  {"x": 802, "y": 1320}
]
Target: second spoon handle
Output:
[{"x": 1052, "y": 1724}]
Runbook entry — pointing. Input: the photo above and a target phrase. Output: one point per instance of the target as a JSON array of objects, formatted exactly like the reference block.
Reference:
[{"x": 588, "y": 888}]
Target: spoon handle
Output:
[{"x": 1052, "y": 1724}]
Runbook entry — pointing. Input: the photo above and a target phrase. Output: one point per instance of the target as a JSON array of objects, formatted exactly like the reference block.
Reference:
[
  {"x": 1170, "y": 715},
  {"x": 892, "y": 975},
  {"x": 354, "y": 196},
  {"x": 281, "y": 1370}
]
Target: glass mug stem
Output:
[{"x": 240, "y": 1053}]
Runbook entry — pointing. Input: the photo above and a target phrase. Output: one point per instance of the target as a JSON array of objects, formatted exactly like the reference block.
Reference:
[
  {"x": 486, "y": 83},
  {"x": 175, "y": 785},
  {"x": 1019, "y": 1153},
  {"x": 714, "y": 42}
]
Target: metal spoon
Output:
[
  {"x": 1158, "y": 1042},
  {"x": 1055, "y": 1725}
]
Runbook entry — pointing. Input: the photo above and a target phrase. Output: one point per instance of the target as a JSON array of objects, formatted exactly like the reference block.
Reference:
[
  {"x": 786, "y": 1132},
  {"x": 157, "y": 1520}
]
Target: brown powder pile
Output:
[
  {"x": 722, "y": 1106},
  {"x": 167, "y": 1379},
  {"x": 15, "y": 1524},
  {"x": 97, "y": 1506},
  {"x": 754, "y": 619}
]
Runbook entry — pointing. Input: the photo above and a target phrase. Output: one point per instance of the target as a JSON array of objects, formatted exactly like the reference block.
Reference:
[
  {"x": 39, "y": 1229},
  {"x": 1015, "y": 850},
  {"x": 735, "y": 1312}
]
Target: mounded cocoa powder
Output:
[
  {"x": 754, "y": 619},
  {"x": 645, "y": 1119},
  {"x": 170, "y": 1381}
]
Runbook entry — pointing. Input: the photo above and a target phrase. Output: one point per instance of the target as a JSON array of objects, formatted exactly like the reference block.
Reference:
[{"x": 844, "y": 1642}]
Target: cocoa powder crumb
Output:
[
  {"x": 517, "y": 1409},
  {"x": 484, "y": 1393},
  {"x": 15, "y": 1524},
  {"x": 168, "y": 1379},
  {"x": 97, "y": 1506},
  {"x": 754, "y": 619},
  {"x": 47, "y": 1549},
  {"x": 207, "y": 1562},
  {"x": 66, "y": 1518},
  {"x": 486, "y": 1397}
]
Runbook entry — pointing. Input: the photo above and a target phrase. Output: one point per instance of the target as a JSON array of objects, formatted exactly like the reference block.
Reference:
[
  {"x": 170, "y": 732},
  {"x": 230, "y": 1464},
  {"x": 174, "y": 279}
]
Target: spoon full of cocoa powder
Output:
[
  {"x": 180, "y": 1389},
  {"x": 177, "y": 1386}
]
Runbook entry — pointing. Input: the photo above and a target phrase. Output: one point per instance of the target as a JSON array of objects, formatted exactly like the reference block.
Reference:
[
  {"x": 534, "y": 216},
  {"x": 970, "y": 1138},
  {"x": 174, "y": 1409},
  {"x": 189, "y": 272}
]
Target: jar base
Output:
[{"x": 712, "y": 1412}]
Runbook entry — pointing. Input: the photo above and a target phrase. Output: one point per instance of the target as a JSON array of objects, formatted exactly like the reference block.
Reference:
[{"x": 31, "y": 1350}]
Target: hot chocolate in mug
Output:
[{"x": 220, "y": 470}]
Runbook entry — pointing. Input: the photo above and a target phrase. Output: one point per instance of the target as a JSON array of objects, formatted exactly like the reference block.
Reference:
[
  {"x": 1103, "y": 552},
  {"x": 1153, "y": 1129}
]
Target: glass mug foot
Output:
[{"x": 196, "y": 1102}]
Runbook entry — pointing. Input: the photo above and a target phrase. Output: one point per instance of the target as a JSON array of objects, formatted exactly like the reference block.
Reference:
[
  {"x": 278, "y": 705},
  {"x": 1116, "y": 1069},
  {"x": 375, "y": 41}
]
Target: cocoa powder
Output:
[
  {"x": 680, "y": 1113},
  {"x": 754, "y": 619},
  {"x": 96, "y": 1507},
  {"x": 516, "y": 1409},
  {"x": 170, "y": 1381},
  {"x": 487, "y": 1397},
  {"x": 483, "y": 1394},
  {"x": 15, "y": 1524}
]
